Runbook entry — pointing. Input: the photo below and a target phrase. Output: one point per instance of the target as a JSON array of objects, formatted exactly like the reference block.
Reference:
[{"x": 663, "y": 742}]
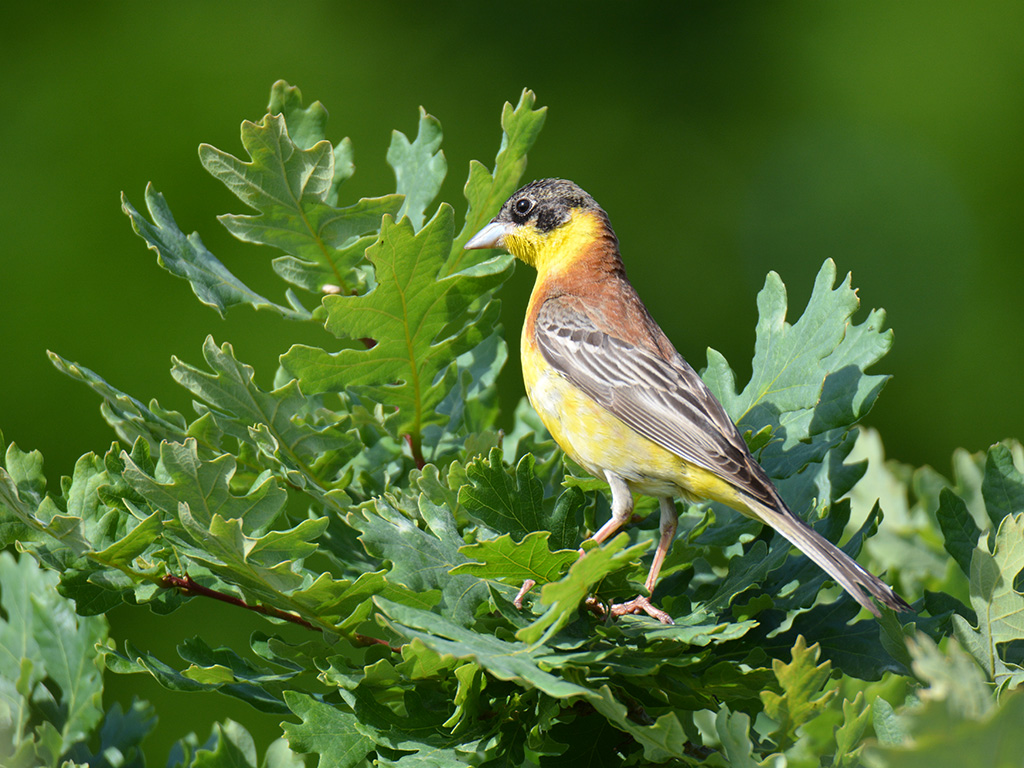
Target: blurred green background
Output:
[{"x": 724, "y": 140}]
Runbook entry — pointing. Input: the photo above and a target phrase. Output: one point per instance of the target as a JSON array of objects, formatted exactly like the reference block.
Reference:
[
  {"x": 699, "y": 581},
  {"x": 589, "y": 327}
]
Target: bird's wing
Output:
[{"x": 663, "y": 400}]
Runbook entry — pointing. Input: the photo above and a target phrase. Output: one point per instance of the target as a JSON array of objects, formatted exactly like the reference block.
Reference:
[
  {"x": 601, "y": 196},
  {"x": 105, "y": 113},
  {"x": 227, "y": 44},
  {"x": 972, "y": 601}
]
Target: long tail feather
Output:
[{"x": 850, "y": 575}]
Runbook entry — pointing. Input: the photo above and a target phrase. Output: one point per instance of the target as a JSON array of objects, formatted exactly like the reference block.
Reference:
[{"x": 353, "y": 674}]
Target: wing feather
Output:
[{"x": 663, "y": 400}]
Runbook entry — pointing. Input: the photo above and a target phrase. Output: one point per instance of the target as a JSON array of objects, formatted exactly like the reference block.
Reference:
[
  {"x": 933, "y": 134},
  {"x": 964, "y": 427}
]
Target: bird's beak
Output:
[{"x": 491, "y": 236}]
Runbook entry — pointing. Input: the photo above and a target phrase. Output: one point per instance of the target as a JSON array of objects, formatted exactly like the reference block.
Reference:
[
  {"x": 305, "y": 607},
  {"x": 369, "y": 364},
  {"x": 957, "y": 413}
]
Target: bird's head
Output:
[{"x": 544, "y": 223}]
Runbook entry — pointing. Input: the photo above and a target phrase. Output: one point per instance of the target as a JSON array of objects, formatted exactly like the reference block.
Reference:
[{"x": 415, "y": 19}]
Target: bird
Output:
[{"x": 622, "y": 402}]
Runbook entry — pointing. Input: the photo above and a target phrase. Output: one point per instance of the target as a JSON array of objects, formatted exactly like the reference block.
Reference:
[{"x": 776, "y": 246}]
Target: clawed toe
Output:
[
  {"x": 527, "y": 586},
  {"x": 641, "y": 604},
  {"x": 637, "y": 605}
]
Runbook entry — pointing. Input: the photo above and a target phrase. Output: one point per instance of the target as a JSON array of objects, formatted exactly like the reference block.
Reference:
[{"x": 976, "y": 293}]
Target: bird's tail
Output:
[{"x": 844, "y": 569}]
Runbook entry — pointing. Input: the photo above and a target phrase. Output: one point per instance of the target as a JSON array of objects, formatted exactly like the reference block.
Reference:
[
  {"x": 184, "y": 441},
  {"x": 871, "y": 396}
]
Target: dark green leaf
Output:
[
  {"x": 960, "y": 534},
  {"x": 1003, "y": 486}
]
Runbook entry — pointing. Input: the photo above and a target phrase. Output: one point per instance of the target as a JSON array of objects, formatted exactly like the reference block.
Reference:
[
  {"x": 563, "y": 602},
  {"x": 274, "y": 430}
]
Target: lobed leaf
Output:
[
  {"x": 516, "y": 505},
  {"x": 809, "y": 382},
  {"x": 420, "y": 324},
  {"x": 50, "y": 672},
  {"x": 802, "y": 698},
  {"x": 485, "y": 190},
  {"x": 419, "y": 166},
  {"x": 293, "y": 189},
  {"x": 185, "y": 256},
  {"x": 504, "y": 559},
  {"x": 996, "y": 601}
]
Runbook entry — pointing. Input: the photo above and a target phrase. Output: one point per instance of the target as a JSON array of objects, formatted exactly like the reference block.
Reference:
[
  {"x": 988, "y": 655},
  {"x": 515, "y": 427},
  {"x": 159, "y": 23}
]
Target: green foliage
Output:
[{"x": 368, "y": 496}]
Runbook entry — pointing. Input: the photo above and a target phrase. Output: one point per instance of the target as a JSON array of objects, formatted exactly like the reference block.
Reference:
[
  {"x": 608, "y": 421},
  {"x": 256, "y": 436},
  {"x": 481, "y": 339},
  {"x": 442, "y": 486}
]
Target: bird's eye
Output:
[{"x": 523, "y": 206}]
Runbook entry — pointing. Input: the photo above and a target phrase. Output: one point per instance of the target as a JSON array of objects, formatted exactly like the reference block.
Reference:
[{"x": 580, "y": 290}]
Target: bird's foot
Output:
[
  {"x": 639, "y": 605},
  {"x": 527, "y": 585}
]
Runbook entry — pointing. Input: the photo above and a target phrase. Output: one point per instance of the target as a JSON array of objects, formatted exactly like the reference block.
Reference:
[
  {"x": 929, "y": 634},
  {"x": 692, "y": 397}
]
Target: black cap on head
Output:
[{"x": 546, "y": 202}]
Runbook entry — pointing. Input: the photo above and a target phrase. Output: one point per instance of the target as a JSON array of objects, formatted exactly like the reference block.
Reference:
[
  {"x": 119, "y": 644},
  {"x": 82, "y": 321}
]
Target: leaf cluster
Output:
[{"x": 365, "y": 493}]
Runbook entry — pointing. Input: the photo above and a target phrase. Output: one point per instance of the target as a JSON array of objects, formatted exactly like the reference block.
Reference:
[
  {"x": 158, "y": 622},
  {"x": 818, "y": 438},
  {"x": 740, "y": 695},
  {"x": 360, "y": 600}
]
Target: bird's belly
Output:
[{"x": 599, "y": 441}]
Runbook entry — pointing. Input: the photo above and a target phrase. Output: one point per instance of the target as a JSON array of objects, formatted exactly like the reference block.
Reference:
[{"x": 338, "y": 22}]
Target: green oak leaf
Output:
[
  {"x": 802, "y": 698},
  {"x": 516, "y": 505},
  {"x": 185, "y": 256},
  {"x": 809, "y": 382},
  {"x": 291, "y": 188},
  {"x": 419, "y": 323},
  {"x": 181, "y": 476},
  {"x": 419, "y": 167},
  {"x": 326, "y": 731},
  {"x": 504, "y": 559},
  {"x": 306, "y": 437},
  {"x": 52, "y": 676},
  {"x": 421, "y": 558},
  {"x": 130, "y": 418},
  {"x": 307, "y": 126},
  {"x": 486, "y": 191},
  {"x": 996, "y": 601},
  {"x": 562, "y": 598}
]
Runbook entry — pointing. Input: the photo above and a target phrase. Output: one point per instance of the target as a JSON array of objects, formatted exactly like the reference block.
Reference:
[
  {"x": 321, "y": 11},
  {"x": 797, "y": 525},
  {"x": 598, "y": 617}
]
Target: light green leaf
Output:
[
  {"x": 562, "y": 598},
  {"x": 304, "y": 433},
  {"x": 850, "y": 734},
  {"x": 292, "y": 188},
  {"x": 889, "y": 727},
  {"x": 187, "y": 257},
  {"x": 995, "y": 741},
  {"x": 512, "y": 661},
  {"x": 957, "y": 688},
  {"x": 802, "y": 697},
  {"x": 182, "y": 477},
  {"x": 998, "y": 605},
  {"x": 232, "y": 747},
  {"x": 734, "y": 732},
  {"x": 419, "y": 167},
  {"x": 809, "y": 382},
  {"x": 504, "y": 559},
  {"x": 49, "y": 668},
  {"x": 129, "y": 417},
  {"x": 421, "y": 558},
  {"x": 486, "y": 191}
]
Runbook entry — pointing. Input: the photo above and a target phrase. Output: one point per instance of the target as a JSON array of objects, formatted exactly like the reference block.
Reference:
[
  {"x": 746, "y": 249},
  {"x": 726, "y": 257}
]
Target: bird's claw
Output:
[
  {"x": 527, "y": 585},
  {"x": 641, "y": 604},
  {"x": 637, "y": 605}
]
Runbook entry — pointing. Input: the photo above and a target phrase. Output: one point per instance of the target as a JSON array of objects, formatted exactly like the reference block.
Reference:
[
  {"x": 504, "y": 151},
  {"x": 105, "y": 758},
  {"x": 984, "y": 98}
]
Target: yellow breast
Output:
[{"x": 593, "y": 437}]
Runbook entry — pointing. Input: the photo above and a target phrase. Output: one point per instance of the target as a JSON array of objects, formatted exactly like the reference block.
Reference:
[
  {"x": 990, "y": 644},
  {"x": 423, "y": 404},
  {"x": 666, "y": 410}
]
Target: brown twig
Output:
[{"x": 188, "y": 586}]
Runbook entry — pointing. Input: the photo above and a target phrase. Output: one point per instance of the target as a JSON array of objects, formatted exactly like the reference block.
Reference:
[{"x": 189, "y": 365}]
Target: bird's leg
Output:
[
  {"x": 669, "y": 521},
  {"x": 622, "y": 507}
]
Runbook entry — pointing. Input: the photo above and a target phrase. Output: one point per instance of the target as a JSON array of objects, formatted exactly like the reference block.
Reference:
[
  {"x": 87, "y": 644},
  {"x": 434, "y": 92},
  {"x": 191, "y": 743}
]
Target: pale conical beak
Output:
[{"x": 491, "y": 236}]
